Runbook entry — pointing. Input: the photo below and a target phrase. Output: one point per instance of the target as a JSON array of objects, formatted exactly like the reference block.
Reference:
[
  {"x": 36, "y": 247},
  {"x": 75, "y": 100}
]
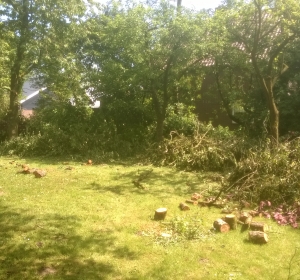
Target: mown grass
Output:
[{"x": 93, "y": 223}]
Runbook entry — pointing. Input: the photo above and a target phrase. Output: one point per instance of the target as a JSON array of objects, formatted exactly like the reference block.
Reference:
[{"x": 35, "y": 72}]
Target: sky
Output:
[
  {"x": 194, "y": 4},
  {"x": 201, "y": 4}
]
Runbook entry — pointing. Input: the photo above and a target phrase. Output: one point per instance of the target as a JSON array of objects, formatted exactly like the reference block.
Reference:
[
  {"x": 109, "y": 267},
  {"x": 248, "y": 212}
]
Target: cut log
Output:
[
  {"x": 230, "y": 219},
  {"x": 184, "y": 207},
  {"x": 160, "y": 214},
  {"x": 25, "y": 166},
  {"x": 210, "y": 204},
  {"x": 196, "y": 196},
  {"x": 259, "y": 226},
  {"x": 245, "y": 218},
  {"x": 39, "y": 173},
  {"x": 194, "y": 202},
  {"x": 253, "y": 213},
  {"x": 221, "y": 225},
  {"x": 258, "y": 237},
  {"x": 226, "y": 211}
]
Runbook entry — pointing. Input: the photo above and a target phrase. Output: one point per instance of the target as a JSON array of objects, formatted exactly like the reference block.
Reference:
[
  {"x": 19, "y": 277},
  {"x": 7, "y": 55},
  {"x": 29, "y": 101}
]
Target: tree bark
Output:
[
  {"x": 258, "y": 237},
  {"x": 259, "y": 226},
  {"x": 231, "y": 220},
  {"x": 160, "y": 111},
  {"x": 159, "y": 129},
  {"x": 16, "y": 77},
  {"x": 274, "y": 113},
  {"x": 221, "y": 225},
  {"x": 160, "y": 214},
  {"x": 184, "y": 207}
]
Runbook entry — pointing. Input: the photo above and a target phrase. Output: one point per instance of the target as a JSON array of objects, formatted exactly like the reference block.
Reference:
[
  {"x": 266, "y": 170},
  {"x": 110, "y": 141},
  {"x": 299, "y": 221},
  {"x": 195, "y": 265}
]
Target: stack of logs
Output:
[{"x": 257, "y": 233}]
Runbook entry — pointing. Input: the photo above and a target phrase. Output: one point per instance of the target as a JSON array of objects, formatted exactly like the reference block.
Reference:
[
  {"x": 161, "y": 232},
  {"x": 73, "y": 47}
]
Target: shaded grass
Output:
[{"x": 85, "y": 223}]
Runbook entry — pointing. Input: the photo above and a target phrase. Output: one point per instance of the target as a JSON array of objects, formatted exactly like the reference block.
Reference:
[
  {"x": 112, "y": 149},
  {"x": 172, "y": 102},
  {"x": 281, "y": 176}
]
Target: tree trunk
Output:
[
  {"x": 16, "y": 75},
  {"x": 159, "y": 129},
  {"x": 274, "y": 113},
  {"x": 14, "y": 107},
  {"x": 160, "y": 111}
]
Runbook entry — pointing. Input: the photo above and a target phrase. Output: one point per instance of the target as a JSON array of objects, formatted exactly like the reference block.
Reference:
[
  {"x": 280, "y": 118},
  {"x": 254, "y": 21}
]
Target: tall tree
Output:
[
  {"x": 146, "y": 54},
  {"x": 261, "y": 30},
  {"x": 4, "y": 68},
  {"x": 33, "y": 26}
]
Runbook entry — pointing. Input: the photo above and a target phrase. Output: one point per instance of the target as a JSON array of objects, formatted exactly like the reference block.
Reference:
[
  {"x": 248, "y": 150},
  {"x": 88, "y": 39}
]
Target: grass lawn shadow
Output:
[{"x": 34, "y": 247}]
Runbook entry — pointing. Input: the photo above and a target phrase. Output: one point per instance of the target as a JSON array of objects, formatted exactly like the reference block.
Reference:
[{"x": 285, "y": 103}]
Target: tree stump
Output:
[
  {"x": 160, "y": 214},
  {"x": 230, "y": 219},
  {"x": 221, "y": 226},
  {"x": 259, "y": 226},
  {"x": 184, "y": 207},
  {"x": 258, "y": 237}
]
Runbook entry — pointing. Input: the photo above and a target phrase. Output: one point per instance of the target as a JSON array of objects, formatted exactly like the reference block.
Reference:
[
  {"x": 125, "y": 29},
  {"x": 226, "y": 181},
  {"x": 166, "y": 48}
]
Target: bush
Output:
[
  {"x": 268, "y": 173},
  {"x": 209, "y": 148},
  {"x": 180, "y": 118},
  {"x": 58, "y": 128}
]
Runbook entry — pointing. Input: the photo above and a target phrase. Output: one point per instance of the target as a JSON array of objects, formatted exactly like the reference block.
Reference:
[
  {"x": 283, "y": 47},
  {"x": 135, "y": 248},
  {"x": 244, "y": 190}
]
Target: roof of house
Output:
[{"x": 31, "y": 94}]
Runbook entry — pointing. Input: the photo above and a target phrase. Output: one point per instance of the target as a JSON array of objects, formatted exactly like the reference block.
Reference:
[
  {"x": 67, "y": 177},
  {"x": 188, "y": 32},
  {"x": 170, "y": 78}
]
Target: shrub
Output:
[
  {"x": 180, "y": 118},
  {"x": 268, "y": 173},
  {"x": 209, "y": 148}
]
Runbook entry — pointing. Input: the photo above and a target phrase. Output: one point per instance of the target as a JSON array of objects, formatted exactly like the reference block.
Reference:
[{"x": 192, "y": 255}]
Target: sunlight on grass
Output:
[{"x": 92, "y": 222}]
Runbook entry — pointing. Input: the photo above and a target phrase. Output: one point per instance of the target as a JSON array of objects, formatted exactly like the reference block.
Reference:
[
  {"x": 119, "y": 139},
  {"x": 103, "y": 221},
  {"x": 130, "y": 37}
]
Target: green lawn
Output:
[{"x": 92, "y": 222}]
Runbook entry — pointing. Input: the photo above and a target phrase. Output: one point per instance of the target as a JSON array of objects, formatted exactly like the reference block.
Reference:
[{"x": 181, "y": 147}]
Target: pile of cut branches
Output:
[
  {"x": 268, "y": 173},
  {"x": 209, "y": 149}
]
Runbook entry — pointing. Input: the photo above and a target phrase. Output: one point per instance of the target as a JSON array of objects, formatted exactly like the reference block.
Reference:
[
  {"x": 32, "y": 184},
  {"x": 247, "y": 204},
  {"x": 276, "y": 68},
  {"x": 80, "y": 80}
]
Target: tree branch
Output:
[
  {"x": 276, "y": 52},
  {"x": 10, "y": 2}
]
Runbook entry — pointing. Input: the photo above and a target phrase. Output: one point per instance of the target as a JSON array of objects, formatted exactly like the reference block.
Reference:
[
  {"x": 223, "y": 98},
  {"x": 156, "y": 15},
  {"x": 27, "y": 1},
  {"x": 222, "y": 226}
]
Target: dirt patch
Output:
[{"x": 44, "y": 271}]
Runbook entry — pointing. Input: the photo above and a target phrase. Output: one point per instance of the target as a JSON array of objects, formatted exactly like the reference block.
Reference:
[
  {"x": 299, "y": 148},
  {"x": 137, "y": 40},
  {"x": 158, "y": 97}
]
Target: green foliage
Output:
[
  {"x": 252, "y": 31},
  {"x": 58, "y": 128},
  {"x": 34, "y": 32},
  {"x": 144, "y": 56},
  {"x": 187, "y": 228},
  {"x": 209, "y": 148},
  {"x": 267, "y": 173},
  {"x": 180, "y": 118},
  {"x": 132, "y": 119}
]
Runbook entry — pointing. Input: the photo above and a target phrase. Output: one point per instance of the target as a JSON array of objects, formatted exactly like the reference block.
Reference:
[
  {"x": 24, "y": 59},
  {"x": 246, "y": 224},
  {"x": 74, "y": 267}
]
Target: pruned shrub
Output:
[
  {"x": 209, "y": 148},
  {"x": 268, "y": 173}
]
